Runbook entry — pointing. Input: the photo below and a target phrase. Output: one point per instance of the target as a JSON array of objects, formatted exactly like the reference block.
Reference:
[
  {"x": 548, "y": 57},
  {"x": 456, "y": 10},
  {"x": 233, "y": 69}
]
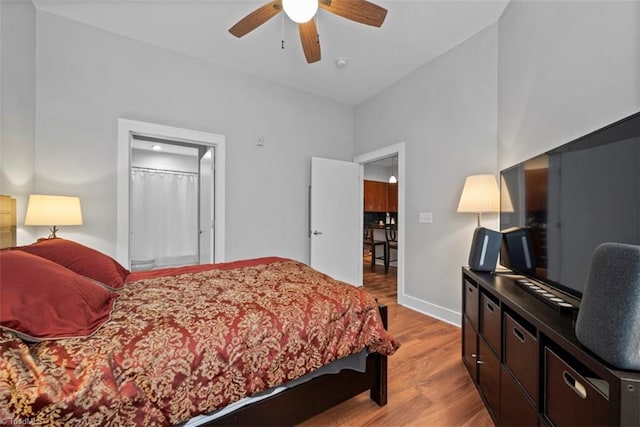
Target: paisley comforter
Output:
[{"x": 185, "y": 341}]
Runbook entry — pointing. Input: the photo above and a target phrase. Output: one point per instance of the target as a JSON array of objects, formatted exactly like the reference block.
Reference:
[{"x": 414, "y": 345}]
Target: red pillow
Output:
[
  {"x": 81, "y": 259},
  {"x": 41, "y": 300}
]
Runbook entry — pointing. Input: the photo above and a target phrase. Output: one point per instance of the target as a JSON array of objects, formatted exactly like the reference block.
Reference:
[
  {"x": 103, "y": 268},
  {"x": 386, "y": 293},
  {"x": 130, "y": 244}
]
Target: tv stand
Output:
[{"x": 528, "y": 365}]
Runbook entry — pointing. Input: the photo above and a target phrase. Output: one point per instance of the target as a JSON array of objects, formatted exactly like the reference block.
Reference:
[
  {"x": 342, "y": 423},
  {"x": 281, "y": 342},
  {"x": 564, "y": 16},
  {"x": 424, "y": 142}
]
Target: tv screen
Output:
[{"x": 556, "y": 208}]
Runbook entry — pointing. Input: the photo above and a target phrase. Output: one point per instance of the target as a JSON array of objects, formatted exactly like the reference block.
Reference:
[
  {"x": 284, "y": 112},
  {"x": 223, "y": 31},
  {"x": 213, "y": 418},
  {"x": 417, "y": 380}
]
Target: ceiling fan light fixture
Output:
[{"x": 300, "y": 11}]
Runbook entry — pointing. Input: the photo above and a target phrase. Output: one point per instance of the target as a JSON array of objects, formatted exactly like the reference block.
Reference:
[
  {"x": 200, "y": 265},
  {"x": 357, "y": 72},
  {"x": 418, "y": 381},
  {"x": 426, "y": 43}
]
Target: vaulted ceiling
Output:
[{"x": 414, "y": 33}]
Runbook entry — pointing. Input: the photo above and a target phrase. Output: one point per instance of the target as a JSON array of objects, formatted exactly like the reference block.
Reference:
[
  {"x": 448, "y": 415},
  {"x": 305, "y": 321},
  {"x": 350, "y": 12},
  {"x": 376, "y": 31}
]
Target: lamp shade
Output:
[
  {"x": 480, "y": 194},
  {"x": 53, "y": 210}
]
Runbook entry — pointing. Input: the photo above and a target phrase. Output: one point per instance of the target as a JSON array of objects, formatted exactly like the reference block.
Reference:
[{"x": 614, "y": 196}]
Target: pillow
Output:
[
  {"x": 81, "y": 259},
  {"x": 41, "y": 300}
]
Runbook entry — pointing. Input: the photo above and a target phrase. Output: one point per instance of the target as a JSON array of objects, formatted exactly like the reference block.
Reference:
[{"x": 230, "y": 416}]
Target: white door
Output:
[
  {"x": 206, "y": 225},
  {"x": 335, "y": 210}
]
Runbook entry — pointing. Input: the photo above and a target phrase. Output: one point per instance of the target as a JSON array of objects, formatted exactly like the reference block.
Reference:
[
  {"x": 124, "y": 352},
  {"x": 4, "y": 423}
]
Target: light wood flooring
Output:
[{"x": 428, "y": 383}]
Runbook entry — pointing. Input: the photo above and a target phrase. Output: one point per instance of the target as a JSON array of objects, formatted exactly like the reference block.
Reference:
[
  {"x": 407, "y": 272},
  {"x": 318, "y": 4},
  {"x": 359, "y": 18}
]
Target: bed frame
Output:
[{"x": 299, "y": 403}]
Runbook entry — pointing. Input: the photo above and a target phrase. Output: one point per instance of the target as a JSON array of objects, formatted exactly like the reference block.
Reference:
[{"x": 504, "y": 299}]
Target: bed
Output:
[{"x": 165, "y": 346}]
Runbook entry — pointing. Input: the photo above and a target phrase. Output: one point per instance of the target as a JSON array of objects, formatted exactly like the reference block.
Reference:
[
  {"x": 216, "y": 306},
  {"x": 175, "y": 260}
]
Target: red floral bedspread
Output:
[{"x": 189, "y": 343}]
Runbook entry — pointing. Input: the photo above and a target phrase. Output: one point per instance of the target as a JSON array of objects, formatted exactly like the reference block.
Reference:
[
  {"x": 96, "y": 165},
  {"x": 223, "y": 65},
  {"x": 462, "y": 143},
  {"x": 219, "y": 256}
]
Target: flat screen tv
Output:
[{"x": 556, "y": 208}]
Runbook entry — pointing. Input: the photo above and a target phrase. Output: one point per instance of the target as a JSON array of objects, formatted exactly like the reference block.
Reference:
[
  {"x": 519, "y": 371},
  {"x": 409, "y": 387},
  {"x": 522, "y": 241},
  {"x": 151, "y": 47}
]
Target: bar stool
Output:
[
  {"x": 369, "y": 241},
  {"x": 391, "y": 242}
]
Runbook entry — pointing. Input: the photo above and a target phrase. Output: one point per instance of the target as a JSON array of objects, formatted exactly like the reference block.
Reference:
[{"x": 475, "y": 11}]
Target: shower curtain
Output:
[{"x": 164, "y": 217}]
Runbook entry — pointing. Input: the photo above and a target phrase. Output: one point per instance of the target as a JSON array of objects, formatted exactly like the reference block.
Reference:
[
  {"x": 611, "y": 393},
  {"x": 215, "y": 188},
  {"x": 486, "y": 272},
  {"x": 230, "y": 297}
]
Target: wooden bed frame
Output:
[{"x": 299, "y": 403}]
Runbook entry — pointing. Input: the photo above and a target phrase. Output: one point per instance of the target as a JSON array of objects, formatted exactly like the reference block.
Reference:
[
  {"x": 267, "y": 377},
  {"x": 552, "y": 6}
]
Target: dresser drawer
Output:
[
  {"x": 471, "y": 298},
  {"x": 489, "y": 377},
  {"x": 470, "y": 348},
  {"x": 515, "y": 408},
  {"x": 521, "y": 355},
  {"x": 570, "y": 399},
  {"x": 490, "y": 322}
]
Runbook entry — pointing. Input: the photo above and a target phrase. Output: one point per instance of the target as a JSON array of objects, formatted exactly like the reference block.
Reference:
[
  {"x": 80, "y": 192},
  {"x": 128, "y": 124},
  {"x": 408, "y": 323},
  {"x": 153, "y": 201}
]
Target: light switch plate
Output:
[{"x": 425, "y": 218}]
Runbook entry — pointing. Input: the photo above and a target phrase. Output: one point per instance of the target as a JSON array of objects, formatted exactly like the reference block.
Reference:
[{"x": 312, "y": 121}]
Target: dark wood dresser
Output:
[{"x": 528, "y": 365}]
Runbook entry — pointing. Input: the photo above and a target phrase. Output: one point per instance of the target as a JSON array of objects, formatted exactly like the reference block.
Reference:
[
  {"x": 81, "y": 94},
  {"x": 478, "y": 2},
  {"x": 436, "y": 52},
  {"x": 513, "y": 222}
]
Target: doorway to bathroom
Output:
[
  {"x": 171, "y": 203},
  {"x": 170, "y": 196}
]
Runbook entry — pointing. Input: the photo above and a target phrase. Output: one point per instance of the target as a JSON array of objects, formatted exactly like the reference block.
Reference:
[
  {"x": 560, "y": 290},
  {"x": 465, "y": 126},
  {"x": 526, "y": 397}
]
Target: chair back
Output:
[
  {"x": 390, "y": 232},
  {"x": 367, "y": 234}
]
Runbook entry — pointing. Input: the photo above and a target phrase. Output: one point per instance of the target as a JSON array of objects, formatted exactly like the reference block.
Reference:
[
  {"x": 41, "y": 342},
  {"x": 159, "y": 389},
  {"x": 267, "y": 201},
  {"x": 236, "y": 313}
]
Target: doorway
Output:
[
  {"x": 382, "y": 222},
  {"x": 191, "y": 168},
  {"x": 171, "y": 203}
]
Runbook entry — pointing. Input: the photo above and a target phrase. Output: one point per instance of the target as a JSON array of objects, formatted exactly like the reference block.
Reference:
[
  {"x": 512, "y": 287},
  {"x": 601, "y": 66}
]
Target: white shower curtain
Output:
[{"x": 164, "y": 217}]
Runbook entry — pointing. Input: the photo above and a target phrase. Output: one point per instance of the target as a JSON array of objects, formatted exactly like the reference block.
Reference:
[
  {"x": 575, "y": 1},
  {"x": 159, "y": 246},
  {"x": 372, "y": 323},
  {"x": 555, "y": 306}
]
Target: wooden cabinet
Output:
[
  {"x": 471, "y": 298},
  {"x": 392, "y": 197},
  {"x": 572, "y": 399},
  {"x": 470, "y": 348},
  {"x": 535, "y": 181},
  {"x": 489, "y": 377},
  {"x": 528, "y": 365},
  {"x": 490, "y": 323},
  {"x": 515, "y": 408},
  {"x": 521, "y": 355},
  {"x": 375, "y": 196},
  {"x": 380, "y": 196},
  {"x": 7, "y": 221}
]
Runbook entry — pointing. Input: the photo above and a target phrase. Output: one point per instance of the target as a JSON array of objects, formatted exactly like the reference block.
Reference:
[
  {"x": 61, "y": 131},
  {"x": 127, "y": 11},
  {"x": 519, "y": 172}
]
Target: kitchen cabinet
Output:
[
  {"x": 380, "y": 196},
  {"x": 375, "y": 196},
  {"x": 392, "y": 197}
]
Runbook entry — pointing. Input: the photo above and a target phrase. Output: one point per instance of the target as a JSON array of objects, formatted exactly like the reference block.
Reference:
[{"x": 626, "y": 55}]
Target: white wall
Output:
[
  {"x": 168, "y": 161},
  {"x": 566, "y": 69},
  {"x": 377, "y": 173},
  {"x": 17, "y": 106},
  {"x": 446, "y": 113},
  {"x": 87, "y": 78}
]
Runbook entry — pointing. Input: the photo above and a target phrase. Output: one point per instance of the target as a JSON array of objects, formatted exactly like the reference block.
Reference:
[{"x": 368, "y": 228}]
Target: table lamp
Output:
[
  {"x": 479, "y": 195},
  {"x": 53, "y": 211}
]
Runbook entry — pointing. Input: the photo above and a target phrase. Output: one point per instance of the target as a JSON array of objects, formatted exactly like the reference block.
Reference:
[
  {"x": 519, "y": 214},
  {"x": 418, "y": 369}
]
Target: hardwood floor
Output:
[{"x": 428, "y": 383}]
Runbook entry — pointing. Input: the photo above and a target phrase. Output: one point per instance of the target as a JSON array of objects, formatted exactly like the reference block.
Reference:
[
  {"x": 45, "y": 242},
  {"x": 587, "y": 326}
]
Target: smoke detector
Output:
[{"x": 341, "y": 62}]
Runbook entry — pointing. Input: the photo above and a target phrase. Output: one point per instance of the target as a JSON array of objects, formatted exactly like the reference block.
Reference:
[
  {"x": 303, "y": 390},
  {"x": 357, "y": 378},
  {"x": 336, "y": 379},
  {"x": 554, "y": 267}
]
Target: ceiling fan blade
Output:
[
  {"x": 360, "y": 11},
  {"x": 256, "y": 18},
  {"x": 310, "y": 41}
]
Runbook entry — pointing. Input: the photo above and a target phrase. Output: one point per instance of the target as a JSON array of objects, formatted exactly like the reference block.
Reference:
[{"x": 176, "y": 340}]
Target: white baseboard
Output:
[{"x": 433, "y": 310}]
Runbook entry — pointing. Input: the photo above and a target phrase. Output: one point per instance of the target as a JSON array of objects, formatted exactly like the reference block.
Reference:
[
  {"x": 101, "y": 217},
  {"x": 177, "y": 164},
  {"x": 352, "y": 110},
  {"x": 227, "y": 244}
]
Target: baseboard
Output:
[{"x": 433, "y": 310}]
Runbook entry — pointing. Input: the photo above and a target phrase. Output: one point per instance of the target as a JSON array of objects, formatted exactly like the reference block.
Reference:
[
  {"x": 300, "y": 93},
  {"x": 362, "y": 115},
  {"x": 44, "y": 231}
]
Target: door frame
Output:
[
  {"x": 126, "y": 128},
  {"x": 397, "y": 149}
]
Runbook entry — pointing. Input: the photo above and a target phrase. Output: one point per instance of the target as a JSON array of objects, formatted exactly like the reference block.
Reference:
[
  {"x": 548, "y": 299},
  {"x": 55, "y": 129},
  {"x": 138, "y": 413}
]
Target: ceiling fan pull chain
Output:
[{"x": 282, "y": 45}]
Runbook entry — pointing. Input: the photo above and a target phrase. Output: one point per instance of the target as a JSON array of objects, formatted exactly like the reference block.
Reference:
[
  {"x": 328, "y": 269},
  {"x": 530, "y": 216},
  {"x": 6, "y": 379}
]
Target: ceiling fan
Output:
[{"x": 303, "y": 11}]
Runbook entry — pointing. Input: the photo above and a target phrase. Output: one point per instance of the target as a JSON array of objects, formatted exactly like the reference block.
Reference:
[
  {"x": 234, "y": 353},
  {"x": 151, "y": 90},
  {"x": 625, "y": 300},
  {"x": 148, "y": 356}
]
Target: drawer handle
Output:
[
  {"x": 518, "y": 334},
  {"x": 475, "y": 356},
  {"x": 470, "y": 289},
  {"x": 490, "y": 307},
  {"x": 574, "y": 385}
]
